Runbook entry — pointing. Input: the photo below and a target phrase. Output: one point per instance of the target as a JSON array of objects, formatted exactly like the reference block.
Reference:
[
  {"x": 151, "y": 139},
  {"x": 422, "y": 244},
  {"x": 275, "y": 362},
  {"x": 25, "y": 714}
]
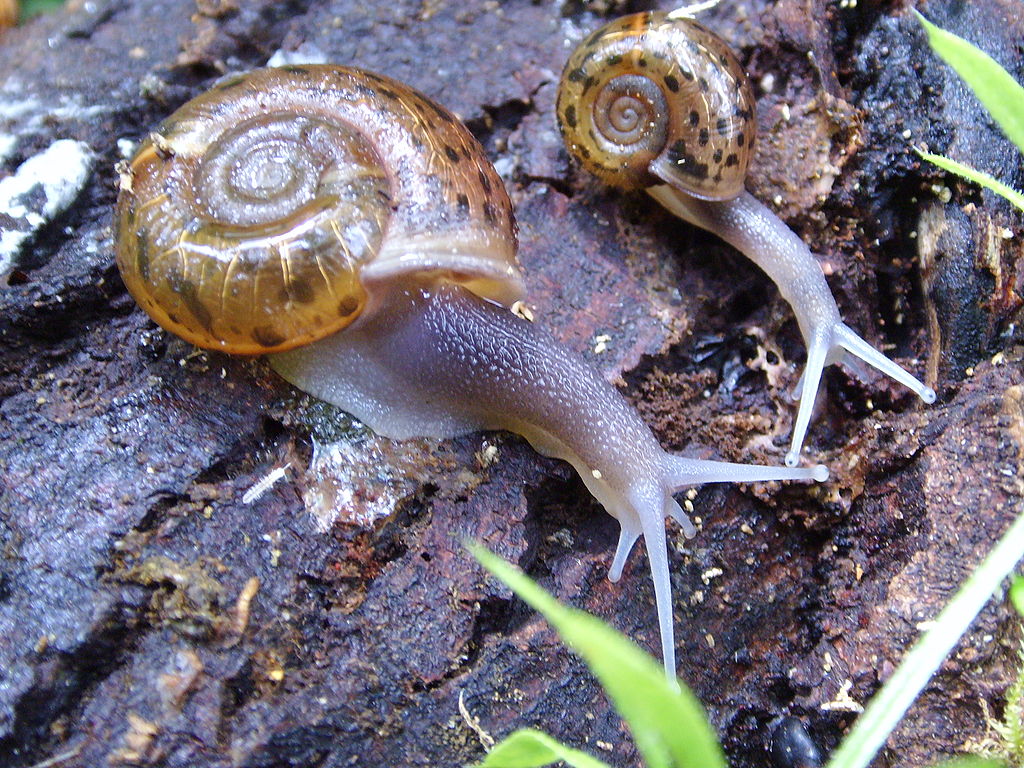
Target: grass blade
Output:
[
  {"x": 891, "y": 702},
  {"x": 532, "y": 749},
  {"x": 1002, "y": 96},
  {"x": 978, "y": 177},
  {"x": 667, "y": 721}
]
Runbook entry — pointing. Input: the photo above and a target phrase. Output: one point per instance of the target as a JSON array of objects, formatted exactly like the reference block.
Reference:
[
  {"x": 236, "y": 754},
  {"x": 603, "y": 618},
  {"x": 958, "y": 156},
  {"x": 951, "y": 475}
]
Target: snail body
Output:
[
  {"x": 657, "y": 102},
  {"x": 377, "y": 275}
]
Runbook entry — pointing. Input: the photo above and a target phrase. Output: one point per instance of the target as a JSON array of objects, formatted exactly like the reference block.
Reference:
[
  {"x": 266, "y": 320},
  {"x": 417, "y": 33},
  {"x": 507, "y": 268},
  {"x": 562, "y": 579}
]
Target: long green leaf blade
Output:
[
  {"x": 978, "y": 177},
  {"x": 668, "y": 723},
  {"x": 1002, "y": 96},
  {"x": 528, "y": 748},
  {"x": 888, "y": 706}
]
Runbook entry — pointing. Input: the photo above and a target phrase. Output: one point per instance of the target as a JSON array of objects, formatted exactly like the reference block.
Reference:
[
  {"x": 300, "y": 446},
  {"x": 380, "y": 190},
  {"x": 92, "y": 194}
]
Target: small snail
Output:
[
  {"x": 353, "y": 230},
  {"x": 655, "y": 101}
]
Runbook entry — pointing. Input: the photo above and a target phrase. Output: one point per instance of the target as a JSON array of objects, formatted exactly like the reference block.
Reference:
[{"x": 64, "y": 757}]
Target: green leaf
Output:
[
  {"x": 531, "y": 749},
  {"x": 888, "y": 706},
  {"x": 1017, "y": 594},
  {"x": 978, "y": 177},
  {"x": 667, "y": 721},
  {"x": 1002, "y": 96}
]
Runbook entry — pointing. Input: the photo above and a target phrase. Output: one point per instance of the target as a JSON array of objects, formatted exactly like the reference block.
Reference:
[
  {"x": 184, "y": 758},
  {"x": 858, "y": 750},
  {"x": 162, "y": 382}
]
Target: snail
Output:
[
  {"x": 353, "y": 230},
  {"x": 658, "y": 102}
]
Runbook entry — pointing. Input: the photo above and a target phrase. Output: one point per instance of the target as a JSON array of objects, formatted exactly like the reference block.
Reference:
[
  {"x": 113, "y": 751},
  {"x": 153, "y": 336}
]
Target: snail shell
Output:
[
  {"x": 259, "y": 216},
  {"x": 649, "y": 99}
]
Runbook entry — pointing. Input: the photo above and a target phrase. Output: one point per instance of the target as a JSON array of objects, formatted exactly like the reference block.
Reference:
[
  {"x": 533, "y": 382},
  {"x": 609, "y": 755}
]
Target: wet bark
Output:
[{"x": 154, "y": 613}]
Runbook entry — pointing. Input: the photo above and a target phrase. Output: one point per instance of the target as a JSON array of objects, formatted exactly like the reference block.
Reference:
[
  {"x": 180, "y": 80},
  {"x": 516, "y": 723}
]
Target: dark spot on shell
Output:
[
  {"x": 296, "y": 68},
  {"x": 387, "y": 93},
  {"x": 142, "y": 254},
  {"x": 731, "y": 160},
  {"x": 584, "y": 152},
  {"x": 570, "y": 116},
  {"x": 366, "y": 92},
  {"x": 717, "y": 156},
  {"x": 702, "y": 84},
  {"x": 300, "y": 291},
  {"x": 452, "y": 153},
  {"x": 189, "y": 295},
  {"x": 672, "y": 83},
  {"x": 589, "y": 83},
  {"x": 724, "y": 59},
  {"x": 462, "y": 205},
  {"x": 704, "y": 137},
  {"x": 687, "y": 74},
  {"x": 490, "y": 213},
  {"x": 686, "y": 163},
  {"x": 694, "y": 117},
  {"x": 484, "y": 181},
  {"x": 614, "y": 61},
  {"x": 740, "y": 139},
  {"x": 642, "y": 61},
  {"x": 173, "y": 318},
  {"x": 267, "y": 337},
  {"x": 722, "y": 126},
  {"x": 347, "y": 306},
  {"x": 578, "y": 75}
]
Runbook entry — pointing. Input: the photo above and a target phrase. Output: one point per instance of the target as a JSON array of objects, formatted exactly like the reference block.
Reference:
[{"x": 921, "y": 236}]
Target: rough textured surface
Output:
[{"x": 154, "y": 613}]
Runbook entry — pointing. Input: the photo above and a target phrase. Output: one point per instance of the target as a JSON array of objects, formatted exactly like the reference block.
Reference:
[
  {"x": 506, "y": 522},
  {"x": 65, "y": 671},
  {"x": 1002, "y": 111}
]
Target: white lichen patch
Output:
[{"x": 42, "y": 188}]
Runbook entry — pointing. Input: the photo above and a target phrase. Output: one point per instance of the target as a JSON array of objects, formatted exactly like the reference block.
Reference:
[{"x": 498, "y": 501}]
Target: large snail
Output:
[
  {"x": 656, "y": 101},
  {"x": 353, "y": 230}
]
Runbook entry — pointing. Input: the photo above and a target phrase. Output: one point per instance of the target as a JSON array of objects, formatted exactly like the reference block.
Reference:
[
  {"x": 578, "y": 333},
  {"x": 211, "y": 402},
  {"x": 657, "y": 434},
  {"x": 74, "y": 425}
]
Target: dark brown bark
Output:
[{"x": 124, "y": 455}]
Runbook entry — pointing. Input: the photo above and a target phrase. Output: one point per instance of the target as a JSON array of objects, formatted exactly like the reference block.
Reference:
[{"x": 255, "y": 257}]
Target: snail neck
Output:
[{"x": 758, "y": 233}]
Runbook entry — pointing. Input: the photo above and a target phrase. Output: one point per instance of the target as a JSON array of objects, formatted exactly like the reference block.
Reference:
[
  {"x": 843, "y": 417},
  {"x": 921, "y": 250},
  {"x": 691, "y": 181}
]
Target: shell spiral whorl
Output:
[
  {"x": 647, "y": 98},
  {"x": 248, "y": 221}
]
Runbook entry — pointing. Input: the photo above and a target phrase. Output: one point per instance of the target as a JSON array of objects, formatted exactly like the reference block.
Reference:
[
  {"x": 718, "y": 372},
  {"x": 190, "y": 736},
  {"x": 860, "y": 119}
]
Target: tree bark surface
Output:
[{"x": 152, "y": 612}]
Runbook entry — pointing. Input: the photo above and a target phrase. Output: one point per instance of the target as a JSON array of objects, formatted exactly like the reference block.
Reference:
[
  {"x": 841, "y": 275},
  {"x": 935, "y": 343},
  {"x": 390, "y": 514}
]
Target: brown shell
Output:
[
  {"x": 263, "y": 214},
  {"x": 649, "y": 99}
]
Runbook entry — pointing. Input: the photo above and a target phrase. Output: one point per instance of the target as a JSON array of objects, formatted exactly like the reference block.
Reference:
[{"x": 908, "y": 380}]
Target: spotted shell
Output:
[
  {"x": 649, "y": 99},
  {"x": 265, "y": 213}
]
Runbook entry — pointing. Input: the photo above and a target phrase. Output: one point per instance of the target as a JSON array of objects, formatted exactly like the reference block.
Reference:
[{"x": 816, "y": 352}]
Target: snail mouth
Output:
[{"x": 486, "y": 267}]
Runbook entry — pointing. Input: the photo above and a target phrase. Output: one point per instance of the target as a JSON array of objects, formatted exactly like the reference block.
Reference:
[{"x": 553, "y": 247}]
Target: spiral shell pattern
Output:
[
  {"x": 648, "y": 99},
  {"x": 258, "y": 216}
]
